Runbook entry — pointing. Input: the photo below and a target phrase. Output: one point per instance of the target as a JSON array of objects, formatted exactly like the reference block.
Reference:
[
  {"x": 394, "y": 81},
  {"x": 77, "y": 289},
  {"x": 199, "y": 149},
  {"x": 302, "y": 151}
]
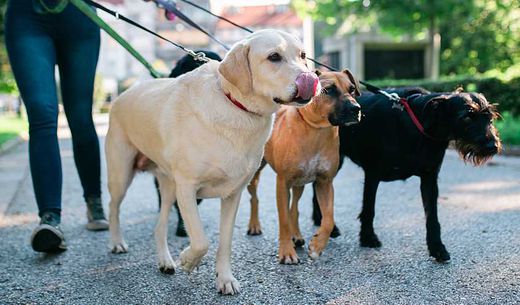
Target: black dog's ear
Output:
[
  {"x": 317, "y": 72},
  {"x": 437, "y": 104},
  {"x": 353, "y": 80}
]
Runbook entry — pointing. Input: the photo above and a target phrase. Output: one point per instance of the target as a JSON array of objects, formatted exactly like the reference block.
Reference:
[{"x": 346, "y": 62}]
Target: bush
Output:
[
  {"x": 506, "y": 93},
  {"x": 509, "y": 128}
]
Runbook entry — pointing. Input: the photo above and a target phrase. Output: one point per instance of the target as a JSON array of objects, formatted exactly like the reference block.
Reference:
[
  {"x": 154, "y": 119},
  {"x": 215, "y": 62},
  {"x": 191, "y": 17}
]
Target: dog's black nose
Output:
[{"x": 355, "y": 108}]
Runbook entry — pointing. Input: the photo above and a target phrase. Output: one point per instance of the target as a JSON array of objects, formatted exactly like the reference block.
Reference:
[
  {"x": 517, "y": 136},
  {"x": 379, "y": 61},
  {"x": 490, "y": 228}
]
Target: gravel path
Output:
[{"x": 479, "y": 213}]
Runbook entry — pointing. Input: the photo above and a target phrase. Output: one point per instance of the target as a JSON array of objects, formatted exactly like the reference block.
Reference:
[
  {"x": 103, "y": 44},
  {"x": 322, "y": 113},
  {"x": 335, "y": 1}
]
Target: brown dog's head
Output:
[{"x": 336, "y": 101}]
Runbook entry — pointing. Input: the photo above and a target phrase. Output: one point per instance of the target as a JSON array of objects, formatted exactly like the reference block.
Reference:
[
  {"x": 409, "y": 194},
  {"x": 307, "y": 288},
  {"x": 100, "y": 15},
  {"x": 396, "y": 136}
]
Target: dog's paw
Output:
[
  {"x": 439, "y": 252},
  {"x": 369, "y": 241},
  {"x": 314, "y": 253},
  {"x": 287, "y": 255},
  {"x": 318, "y": 244},
  {"x": 119, "y": 247},
  {"x": 254, "y": 229},
  {"x": 188, "y": 261},
  {"x": 298, "y": 241},
  {"x": 167, "y": 268},
  {"x": 335, "y": 232},
  {"x": 227, "y": 284},
  {"x": 166, "y": 265}
]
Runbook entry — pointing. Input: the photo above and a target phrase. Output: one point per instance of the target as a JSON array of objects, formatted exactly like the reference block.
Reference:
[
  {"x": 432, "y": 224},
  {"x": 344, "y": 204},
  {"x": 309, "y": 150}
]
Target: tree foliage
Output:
[
  {"x": 7, "y": 83},
  {"x": 476, "y": 35}
]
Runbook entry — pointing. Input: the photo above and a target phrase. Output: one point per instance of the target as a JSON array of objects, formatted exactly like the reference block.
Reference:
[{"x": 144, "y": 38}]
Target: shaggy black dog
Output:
[
  {"x": 388, "y": 146},
  {"x": 185, "y": 65}
]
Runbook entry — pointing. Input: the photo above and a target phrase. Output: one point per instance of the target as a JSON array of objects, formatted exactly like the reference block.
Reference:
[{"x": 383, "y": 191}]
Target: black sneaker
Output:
[
  {"x": 48, "y": 237},
  {"x": 95, "y": 215}
]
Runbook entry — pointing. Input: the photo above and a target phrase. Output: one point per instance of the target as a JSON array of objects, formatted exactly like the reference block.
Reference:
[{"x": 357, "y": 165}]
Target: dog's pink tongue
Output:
[{"x": 307, "y": 82}]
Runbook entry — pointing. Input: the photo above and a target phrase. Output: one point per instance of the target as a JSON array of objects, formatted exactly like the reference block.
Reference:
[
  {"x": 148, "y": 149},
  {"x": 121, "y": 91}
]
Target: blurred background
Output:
[{"x": 438, "y": 45}]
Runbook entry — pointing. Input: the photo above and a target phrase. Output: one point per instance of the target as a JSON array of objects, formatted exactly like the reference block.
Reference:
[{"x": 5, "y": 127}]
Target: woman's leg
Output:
[
  {"x": 77, "y": 54},
  {"x": 32, "y": 57}
]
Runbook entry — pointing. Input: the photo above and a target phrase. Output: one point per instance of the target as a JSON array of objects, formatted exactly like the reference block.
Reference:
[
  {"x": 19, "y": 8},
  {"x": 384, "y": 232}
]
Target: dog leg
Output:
[
  {"x": 193, "y": 254},
  {"x": 286, "y": 252},
  {"x": 254, "y": 221},
  {"x": 167, "y": 189},
  {"x": 325, "y": 194},
  {"x": 181, "y": 229},
  {"x": 367, "y": 236},
  {"x": 226, "y": 282},
  {"x": 298, "y": 240},
  {"x": 156, "y": 183},
  {"x": 430, "y": 193},
  {"x": 120, "y": 169},
  {"x": 316, "y": 213}
]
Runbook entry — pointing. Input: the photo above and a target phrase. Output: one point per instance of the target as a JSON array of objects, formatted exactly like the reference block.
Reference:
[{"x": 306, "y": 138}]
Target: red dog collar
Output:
[{"x": 238, "y": 104}]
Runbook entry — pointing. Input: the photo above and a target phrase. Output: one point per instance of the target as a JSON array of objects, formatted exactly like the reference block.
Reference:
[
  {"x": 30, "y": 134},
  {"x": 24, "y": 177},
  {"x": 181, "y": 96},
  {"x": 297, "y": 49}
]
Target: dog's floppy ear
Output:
[
  {"x": 236, "y": 70},
  {"x": 353, "y": 80},
  {"x": 436, "y": 104}
]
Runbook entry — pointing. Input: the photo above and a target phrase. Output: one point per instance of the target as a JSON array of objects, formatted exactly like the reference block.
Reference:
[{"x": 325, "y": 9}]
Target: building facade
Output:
[{"x": 372, "y": 55}]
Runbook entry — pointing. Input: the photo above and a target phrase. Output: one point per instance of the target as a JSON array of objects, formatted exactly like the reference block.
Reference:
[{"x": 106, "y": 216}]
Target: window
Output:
[
  {"x": 395, "y": 64},
  {"x": 334, "y": 60}
]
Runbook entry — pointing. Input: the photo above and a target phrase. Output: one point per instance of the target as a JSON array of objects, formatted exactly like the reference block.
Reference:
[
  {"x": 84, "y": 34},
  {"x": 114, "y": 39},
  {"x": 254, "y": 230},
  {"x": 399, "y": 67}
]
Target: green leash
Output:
[{"x": 87, "y": 10}]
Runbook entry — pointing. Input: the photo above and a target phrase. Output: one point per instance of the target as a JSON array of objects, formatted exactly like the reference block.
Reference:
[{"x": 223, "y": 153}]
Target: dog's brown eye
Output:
[
  {"x": 303, "y": 55},
  {"x": 274, "y": 57}
]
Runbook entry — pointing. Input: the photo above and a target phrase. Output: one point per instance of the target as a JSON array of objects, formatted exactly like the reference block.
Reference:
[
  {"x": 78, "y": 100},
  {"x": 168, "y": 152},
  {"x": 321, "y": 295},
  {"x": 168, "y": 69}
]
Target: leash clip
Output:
[
  {"x": 200, "y": 56},
  {"x": 397, "y": 105},
  {"x": 395, "y": 98}
]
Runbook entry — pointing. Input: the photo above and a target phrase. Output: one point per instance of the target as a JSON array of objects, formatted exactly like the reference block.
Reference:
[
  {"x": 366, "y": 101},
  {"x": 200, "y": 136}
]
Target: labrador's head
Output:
[{"x": 269, "y": 69}]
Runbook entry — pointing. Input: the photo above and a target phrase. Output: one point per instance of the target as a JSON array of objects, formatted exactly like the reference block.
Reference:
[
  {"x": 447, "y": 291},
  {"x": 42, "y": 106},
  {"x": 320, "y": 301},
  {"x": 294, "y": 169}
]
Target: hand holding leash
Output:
[{"x": 169, "y": 7}]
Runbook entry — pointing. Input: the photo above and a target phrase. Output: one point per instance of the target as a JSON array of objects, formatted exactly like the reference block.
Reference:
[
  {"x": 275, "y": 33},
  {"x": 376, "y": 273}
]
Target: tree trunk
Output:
[{"x": 434, "y": 40}]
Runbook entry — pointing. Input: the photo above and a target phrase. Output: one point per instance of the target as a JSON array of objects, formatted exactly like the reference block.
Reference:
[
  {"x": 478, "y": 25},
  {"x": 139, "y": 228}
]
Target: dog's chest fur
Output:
[
  {"x": 300, "y": 153},
  {"x": 308, "y": 170}
]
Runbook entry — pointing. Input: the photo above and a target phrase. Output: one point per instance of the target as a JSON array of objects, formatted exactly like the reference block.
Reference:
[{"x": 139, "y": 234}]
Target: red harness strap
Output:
[
  {"x": 238, "y": 104},
  {"x": 414, "y": 118}
]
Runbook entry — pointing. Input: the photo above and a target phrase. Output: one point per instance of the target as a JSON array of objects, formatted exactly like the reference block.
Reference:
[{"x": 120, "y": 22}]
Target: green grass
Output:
[
  {"x": 10, "y": 127},
  {"x": 509, "y": 128}
]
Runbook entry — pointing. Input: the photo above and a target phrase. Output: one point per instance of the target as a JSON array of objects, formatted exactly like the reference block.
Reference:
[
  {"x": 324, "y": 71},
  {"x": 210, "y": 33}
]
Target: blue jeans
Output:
[{"x": 36, "y": 43}]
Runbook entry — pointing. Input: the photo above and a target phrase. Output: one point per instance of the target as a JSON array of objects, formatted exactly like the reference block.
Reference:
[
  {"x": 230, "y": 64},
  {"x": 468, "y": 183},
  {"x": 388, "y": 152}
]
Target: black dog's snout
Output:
[{"x": 354, "y": 108}]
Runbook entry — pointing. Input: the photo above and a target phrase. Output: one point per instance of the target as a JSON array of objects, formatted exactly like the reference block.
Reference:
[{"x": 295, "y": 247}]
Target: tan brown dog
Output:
[{"x": 303, "y": 148}]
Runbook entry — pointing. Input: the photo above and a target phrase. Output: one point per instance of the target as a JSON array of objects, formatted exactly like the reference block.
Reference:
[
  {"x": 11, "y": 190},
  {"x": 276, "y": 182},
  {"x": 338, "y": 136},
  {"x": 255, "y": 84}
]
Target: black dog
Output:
[
  {"x": 388, "y": 146},
  {"x": 185, "y": 65}
]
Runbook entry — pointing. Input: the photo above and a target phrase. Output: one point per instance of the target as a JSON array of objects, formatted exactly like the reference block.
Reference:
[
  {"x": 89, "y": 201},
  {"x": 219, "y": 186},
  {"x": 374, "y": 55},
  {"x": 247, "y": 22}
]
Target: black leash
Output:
[
  {"x": 172, "y": 8},
  {"x": 247, "y": 29},
  {"x": 399, "y": 102},
  {"x": 215, "y": 15},
  {"x": 198, "y": 56},
  {"x": 201, "y": 56}
]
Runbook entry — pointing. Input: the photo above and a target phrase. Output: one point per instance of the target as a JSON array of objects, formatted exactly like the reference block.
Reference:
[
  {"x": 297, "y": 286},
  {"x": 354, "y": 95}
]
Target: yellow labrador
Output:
[{"x": 202, "y": 135}]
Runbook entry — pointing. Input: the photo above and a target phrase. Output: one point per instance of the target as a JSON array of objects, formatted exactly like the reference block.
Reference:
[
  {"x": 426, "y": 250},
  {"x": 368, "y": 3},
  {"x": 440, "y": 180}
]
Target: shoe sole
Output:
[
  {"x": 48, "y": 239},
  {"x": 97, "y": 226}
]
